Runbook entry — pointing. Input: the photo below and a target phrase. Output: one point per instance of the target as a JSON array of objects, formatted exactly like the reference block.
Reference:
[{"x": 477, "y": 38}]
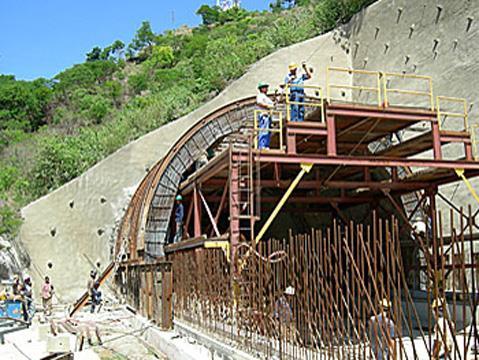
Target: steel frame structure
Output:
[{"x": 331, "y": 158}]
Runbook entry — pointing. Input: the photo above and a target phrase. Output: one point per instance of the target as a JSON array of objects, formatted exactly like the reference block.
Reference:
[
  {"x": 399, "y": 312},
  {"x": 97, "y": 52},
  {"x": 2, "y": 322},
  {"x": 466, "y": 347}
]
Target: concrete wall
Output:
[
  {"x": 427, "y": 37},
  {"x": 78, "y": 220}
]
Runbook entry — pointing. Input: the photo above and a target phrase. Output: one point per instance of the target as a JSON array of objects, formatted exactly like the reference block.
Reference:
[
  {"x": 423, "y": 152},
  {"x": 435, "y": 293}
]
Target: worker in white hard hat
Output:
[
  {"x": 179, "y": 215},
  {"x": 283, "y": 314},
  {"x": 443, "y": 330},
  {"x": 263, "y": 102},
  {"x": 382, "y": 332},
  {"x": 296, "y": 90}
]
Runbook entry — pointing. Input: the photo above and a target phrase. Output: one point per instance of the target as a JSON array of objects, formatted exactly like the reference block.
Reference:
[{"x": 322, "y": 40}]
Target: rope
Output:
[
  {"x": 19, "y": 350},
  {"x": 273, "y": 258}
]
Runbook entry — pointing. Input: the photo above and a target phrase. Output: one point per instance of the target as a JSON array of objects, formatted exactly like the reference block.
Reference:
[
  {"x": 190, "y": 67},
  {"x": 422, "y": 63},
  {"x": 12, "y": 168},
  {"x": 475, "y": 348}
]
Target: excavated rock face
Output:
[{"x": 13, "y": 259}]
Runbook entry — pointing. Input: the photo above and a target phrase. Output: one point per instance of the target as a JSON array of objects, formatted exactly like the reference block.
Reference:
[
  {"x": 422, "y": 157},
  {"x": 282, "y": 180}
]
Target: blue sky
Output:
[{"x": 39, "y": 38}]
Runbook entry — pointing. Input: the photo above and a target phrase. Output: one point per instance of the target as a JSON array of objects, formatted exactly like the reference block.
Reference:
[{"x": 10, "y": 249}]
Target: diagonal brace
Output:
[
  {"x": 305, "y": 168},
  {"x": 460, "y": 173}
]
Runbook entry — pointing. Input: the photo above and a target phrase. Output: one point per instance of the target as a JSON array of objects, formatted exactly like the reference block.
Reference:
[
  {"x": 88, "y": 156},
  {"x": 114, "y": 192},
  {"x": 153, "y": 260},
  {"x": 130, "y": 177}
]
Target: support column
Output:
[
  {"x": 290, "y": 142},
  {"x": 166, "y": 297},
  {"x": 234, "y": 211},
  {"x": 197, "y": 213},
  {"x": 331, "y": 130},
  {"x": 432, "y": 220},
  {"x": 436, "y": 141},
  {"x": 468, "y": 151}
]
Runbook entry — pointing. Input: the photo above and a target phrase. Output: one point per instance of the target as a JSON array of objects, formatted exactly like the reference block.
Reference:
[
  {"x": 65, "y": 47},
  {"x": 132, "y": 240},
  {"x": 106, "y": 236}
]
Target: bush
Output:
[
  {"x": 138, "y": 82},
  {"x": 161, "y": 57},
  {"x": 84, "y": 75},
  {"x": 95, "y": 107}
]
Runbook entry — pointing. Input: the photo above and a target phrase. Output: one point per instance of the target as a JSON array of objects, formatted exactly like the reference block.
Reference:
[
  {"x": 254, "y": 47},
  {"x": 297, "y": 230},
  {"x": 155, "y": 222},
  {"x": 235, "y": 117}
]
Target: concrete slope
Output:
[
  {"x": 78, "y": 220},
  {"x": 428, "y": 37}
]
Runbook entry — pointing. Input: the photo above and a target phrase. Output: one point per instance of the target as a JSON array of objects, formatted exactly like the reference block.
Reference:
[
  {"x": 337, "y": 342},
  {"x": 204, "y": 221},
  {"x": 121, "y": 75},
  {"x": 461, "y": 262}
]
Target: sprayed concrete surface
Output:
[{"x": 80, "y": 218}]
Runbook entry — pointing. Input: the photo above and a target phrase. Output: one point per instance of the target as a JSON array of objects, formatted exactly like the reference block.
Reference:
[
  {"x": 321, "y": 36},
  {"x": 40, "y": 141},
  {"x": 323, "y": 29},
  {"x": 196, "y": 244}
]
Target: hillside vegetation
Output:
[{"x": 52, "y": 130}]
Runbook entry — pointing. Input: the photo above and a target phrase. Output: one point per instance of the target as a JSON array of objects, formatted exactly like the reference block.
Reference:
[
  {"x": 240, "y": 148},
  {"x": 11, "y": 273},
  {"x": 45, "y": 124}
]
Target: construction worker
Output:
[
  {"x": 283, "y": 314},
  {"x": 263, "y": 102},
  {"x": 90, "y": 286},
  {"x": 443, "y": 330},
  {"x": 16, "y": 285},
  {"x": 382, "y": 332},
  {"x": 27, "y": 294},
  {"x": 179, "y": 215},
  {"x": 95, "y": 297},
  {"x": 47, "y": 296},
  {"x": 296, "y": 90}
]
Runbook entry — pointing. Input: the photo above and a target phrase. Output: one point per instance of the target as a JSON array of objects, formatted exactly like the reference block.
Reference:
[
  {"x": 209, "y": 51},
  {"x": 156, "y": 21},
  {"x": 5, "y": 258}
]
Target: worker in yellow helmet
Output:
[{"x": 296, "y": 90}]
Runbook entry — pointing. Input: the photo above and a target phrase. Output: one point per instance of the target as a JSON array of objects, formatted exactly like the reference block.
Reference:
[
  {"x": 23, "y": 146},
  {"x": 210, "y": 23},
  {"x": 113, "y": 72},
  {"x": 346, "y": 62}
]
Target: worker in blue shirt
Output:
[
  {"x": 296, "y": 93},
  {"x": 179, "y": 215},
  {"x": 264, "y": 104}
]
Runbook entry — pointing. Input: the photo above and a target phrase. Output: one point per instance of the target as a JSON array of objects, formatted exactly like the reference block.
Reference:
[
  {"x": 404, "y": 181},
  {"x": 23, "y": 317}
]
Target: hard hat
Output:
[
  {"x": 179, "y": 197},
  {"x": 262, "y": 84},
  {"x": 289, "y": 290},
  {"x": 385, "y": 303},
  {"x": 293, "y": 66},
  {"x": 420, "y": 226},
  {"x": 438, "y": 302}
]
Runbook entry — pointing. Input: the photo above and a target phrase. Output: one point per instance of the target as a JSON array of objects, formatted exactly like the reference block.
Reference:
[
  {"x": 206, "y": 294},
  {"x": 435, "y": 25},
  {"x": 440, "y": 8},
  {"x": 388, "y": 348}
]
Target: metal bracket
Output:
[{"x": 222, "y": 244}]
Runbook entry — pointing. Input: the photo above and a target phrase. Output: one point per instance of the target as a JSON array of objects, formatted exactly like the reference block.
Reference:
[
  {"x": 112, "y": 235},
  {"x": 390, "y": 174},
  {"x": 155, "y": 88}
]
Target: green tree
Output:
[
  {"x": 23, "y": 104},
  {"x": 117, "y": 48},
  {"x": 94, "y": 54},
  {"x": 210, "y": 15},
  {"x": 144, "y": 37}
]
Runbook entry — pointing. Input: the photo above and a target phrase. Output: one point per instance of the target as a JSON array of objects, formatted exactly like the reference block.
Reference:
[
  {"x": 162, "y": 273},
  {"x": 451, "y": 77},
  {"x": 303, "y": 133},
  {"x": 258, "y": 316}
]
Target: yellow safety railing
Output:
[
  {"x": 444, "y": 101},
  {"x": 388, "y": 91},
  {"x": 309, "y": 101},
  {"x": 375, "y": 76},
  {"x": 276, "y": 126}
]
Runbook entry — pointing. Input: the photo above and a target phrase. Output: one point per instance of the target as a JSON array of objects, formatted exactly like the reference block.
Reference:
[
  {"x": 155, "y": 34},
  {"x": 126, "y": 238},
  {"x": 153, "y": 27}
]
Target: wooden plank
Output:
[
  {"x": 84, "y": 298},
  {"x": 166, "y": 299}
]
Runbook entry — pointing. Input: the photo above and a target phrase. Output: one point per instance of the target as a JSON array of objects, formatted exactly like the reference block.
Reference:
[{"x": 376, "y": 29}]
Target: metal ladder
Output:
[{"x": 246, "y": 184}]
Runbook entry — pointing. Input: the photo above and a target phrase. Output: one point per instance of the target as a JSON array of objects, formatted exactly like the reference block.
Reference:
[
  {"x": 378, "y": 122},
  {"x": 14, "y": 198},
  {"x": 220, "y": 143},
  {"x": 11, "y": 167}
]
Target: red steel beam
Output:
[
  {"x": 197, "y": 213},
  {"x": 332, "y": 184},
  {"x": 407, "y": 116},
  {"x": 331, "y": 137},
  {"x": 360, "y": 161},
  {"x": 307, "y": 199}
]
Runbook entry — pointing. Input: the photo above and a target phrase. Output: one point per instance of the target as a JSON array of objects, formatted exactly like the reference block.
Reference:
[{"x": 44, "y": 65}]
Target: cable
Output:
[
  {"x": 19, "y": 350},
  {"x": 273, "y": 258}
]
